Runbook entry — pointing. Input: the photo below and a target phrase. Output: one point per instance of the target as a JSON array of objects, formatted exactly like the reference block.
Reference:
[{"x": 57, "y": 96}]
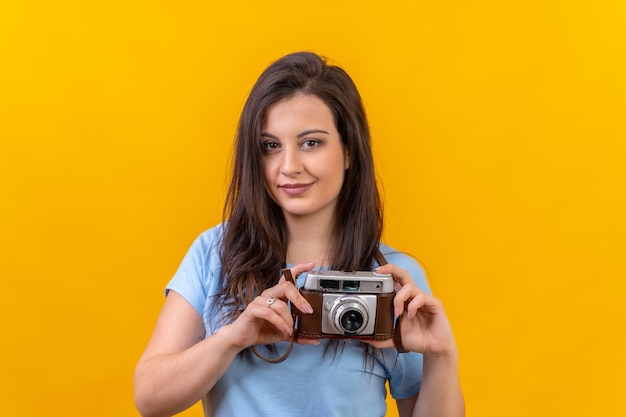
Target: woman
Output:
[{"x": 303, "y": 195}]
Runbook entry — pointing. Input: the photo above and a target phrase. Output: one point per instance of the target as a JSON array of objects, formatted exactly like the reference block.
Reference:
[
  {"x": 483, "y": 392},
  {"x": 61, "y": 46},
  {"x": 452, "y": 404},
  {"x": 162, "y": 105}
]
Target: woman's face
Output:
[{"x": 304, "y": 160}]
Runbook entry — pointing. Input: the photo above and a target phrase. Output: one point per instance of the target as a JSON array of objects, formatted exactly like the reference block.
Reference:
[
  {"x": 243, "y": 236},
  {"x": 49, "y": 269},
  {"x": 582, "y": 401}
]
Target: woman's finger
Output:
[
  {"x": 417, "y": 302},
  {"x": 288, "y": 291},
  {"x": 399, "y": 275},
  {"x": 297, "y": 270},
  {"x": 404, "y": 296},
  {"x": 273, "y": 311}
]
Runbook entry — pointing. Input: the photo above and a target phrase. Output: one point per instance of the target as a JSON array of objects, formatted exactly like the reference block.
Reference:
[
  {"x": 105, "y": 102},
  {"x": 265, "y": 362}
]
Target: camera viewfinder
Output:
[
  {"x": 351, "y": 285},
  {"x": 330, "y": 284}
]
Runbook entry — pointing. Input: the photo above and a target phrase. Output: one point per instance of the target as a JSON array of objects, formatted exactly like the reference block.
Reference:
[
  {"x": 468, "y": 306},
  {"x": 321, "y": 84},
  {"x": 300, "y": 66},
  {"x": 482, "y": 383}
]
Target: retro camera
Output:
[{"x": 348, "y": 304}]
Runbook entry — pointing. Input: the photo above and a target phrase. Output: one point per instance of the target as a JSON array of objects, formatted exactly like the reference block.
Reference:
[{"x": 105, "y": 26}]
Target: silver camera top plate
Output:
[{"x": 357, "y": 282}]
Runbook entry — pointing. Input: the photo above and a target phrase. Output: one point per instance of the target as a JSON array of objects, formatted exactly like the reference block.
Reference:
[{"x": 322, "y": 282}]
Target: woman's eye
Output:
[
  {"x": 311, "y": 143},
  {"x": 270, "y": 146}
]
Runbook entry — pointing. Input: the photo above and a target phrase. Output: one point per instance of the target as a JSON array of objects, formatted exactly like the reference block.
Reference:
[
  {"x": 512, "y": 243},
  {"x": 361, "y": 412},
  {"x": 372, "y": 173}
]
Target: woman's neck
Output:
[{"x": 309, "y": 241}]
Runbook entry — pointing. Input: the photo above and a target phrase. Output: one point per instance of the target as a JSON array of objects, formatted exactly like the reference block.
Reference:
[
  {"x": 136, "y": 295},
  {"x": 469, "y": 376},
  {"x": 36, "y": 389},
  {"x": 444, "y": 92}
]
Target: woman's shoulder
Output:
[
  {"x": 206, "y": 246},
  {"x": 407, "y": 262},
  {"x": 208, "y": 241},
  {"x": 211, "y": 236},
  {"x": 399, "y": 258}
]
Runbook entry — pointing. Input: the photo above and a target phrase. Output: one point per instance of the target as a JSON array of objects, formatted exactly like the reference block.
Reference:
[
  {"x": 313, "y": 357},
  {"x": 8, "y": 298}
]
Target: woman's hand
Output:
[
  {"x": 267, "y": 319},
  {"x": 424, "y": 326}
]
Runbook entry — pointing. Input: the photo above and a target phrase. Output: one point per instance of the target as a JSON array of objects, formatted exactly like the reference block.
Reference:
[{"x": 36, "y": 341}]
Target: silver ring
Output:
[{"x": 270, "y": 300}]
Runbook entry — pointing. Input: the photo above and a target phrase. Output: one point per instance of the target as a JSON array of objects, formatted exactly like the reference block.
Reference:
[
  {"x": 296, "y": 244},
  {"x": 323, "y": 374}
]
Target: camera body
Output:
[{"x": 348, "y": 305}]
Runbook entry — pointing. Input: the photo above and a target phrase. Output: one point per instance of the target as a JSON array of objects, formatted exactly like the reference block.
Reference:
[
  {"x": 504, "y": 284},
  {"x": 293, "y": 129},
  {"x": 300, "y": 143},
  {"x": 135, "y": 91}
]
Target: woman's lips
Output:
[{"x": 294, "y": 190}]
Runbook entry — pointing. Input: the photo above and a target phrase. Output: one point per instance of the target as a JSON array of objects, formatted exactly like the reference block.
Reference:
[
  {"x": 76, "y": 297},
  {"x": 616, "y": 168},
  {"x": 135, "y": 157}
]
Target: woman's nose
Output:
[{"x": 291, "y": 163}]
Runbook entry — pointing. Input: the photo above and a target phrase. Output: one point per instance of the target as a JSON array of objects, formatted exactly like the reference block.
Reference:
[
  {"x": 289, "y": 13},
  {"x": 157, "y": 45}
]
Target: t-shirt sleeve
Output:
[
  {"x": 405, "y": 379},
  {"x": 194, "y": 275}
]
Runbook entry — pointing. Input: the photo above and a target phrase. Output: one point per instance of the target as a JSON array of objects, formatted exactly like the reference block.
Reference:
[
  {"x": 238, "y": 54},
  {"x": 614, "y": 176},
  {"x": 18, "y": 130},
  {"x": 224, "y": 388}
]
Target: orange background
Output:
[{"x": 499, "y": 135}]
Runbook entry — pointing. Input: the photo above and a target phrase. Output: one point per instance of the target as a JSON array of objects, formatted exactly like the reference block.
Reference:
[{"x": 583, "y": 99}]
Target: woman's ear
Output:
[{"x": 346, "y": 159}]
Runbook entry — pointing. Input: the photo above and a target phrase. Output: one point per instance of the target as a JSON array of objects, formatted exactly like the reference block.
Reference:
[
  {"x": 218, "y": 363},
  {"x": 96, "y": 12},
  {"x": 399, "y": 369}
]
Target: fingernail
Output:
[
  {"x": 288, "y": 330},
  {"x": 307, "y": 309}
]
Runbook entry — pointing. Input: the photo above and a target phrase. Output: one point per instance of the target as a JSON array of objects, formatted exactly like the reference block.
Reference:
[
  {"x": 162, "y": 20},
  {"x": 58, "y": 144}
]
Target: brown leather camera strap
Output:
[
  {"x": 289, "y": 277},
  {"x": 380, "y": 258},
  {"x": 397, "y": 337}
]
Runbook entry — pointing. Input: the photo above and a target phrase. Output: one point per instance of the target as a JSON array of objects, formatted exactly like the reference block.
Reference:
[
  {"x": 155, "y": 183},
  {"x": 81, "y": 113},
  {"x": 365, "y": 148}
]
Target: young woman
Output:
[{"x": 303, "y": 196}]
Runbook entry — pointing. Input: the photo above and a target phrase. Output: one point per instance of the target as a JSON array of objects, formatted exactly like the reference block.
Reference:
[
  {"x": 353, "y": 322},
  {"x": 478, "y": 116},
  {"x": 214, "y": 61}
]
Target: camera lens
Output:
[
  {"x": 351, "y": 321},
  {"x": 349, "y": 314}
]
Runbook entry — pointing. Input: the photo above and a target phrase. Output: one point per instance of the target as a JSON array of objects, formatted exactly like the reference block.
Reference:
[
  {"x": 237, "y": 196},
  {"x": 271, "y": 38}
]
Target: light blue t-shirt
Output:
[{"x": 307, "y": 383}]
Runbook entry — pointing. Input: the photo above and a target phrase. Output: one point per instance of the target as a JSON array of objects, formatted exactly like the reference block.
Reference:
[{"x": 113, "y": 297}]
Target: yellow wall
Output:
[{"x": 499, "y": 136}]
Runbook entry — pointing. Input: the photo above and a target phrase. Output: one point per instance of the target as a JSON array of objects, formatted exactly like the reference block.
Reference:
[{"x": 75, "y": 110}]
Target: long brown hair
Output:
[{"x": 255, "y": 238}]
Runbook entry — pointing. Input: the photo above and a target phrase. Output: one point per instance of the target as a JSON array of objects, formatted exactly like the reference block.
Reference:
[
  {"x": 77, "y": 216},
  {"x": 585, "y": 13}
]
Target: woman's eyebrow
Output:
[
  {"x": 306, "y": 132},
  {"x": 268, "y": 135}
]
